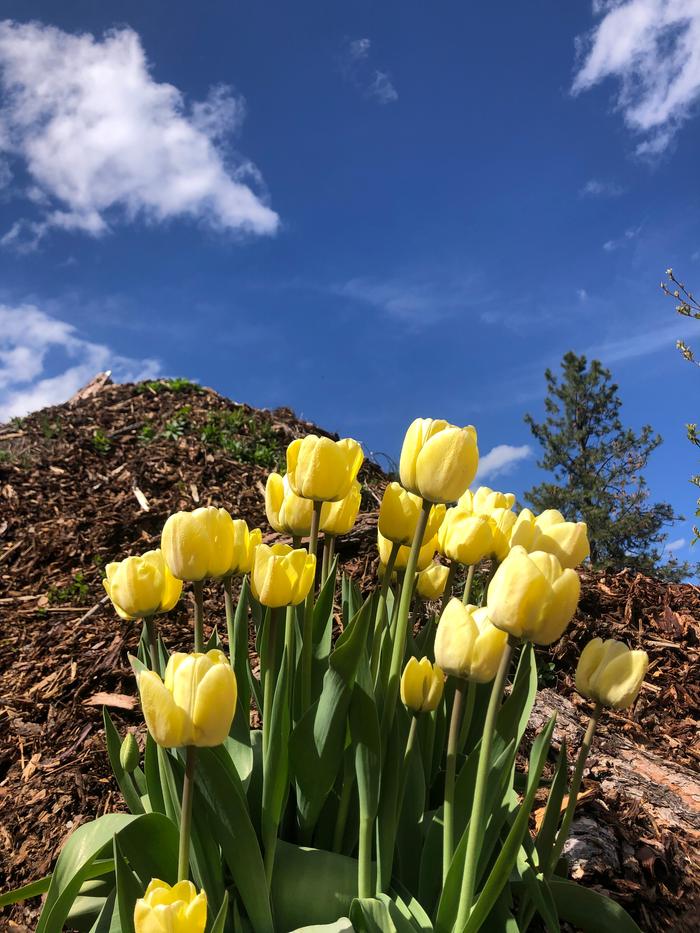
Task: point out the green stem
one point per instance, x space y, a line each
230 615
448 832
198 586
290 649
467 718
447 594
296 542
343 810
487 581
183 859
364 858
468 585
410 742
269 677
329 547
381 607
324 560
466 897
307 642
399 642
150 624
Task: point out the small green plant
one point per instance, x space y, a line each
49 429
242 436
17 423
178 384
147 434
177 426
101 441
76 590
5 455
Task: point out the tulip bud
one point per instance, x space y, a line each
531 597
244 545
425 555
141 586
282 576
337 518
438 460
399 513
176 909
287 513
321 469
196 702
129 753
465 537
568 541
421 685
485 500
502 521
467 645
609 673
198 544
523 531
431 582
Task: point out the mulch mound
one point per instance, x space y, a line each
93 480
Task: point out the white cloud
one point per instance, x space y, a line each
582 294
101 140
630 234
28 336
652 47
355 65
416 302
595 188
501 459
675 545
632 346
382 88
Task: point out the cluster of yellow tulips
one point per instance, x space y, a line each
343 764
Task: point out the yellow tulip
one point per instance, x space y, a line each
524 530
287 513
399 513
609 673
425 555
431 582
176 909
568 541
467 645
532 597
502 522
244 544
195 703
282 576
141 586
422 684
321 469
198 544
438 460
337 518
465 537
485 499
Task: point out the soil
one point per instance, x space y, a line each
94 479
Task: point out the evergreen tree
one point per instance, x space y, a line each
597 466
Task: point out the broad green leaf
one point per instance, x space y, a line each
33 889
310 886
151 770
219 923
514 715
351 598
276 762
129 890
552 813
106 921
589 910
539 892
126 785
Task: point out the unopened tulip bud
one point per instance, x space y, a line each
199 544
532 597
609 673
166 909
467 645
465 537
195 703
129 753
244 544
422 684
321 469
141 586
438 460
286 512
338 518
524 530
425 555
568 541
431 582
399 513
281 576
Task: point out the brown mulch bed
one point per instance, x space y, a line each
84 483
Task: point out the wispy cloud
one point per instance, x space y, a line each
616 349
28 336
631 233
103 142
357 67
595 188
675 545
652 48
502 459
582 294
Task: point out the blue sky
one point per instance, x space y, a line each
367 212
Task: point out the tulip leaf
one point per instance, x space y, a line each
129 890
219 923
238 651
514 715
552 813
538 890
589 910
351 599
151 770
384 914
126 784
311 886
323 630
33 889
221 787
107 920
276 761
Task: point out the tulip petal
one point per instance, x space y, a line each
165 721
214 705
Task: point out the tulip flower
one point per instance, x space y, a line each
286 512
502 522
399 512
141 586
431 582
338 518
422 684
321 469
523 531
438 460
199 544
465 537
425 555
467 644
281 576
195 703
532 597
568 541
176 909
609 673
244 544
485 499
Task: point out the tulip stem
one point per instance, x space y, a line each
307 641
381 607
364 858
448 820
467 717
447 593
399 641
198 586
468 585
487 582
150 624
476 820
183 860
410 742
269 676
228 603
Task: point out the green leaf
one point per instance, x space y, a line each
33 889
311 886
514 714
276 762
351 599
239 650
151 770
538 891
219 923
128 890
589 910
552 813
126 785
